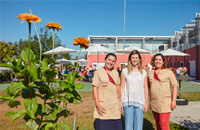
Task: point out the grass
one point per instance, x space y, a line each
83 112
191 96
190 87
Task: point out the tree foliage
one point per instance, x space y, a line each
7 49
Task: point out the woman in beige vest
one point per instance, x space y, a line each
161 100
106 91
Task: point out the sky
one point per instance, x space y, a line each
83 18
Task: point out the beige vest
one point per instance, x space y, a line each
160 94
107 92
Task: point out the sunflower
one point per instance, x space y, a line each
83 42
29 17
53 26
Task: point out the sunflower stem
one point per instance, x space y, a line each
29 40
53 42
78 57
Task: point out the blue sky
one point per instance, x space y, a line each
80 18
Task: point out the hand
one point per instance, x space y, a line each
122 109
100 110
173 105
146 107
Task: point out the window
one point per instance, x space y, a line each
161 48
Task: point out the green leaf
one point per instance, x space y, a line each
79 86
10 113
76 95
75 101
18 114
26 93
32 124
9 58
6 65
14 103
15 88
32 69
31 106
24 55
44 108
44 79
49 126
63 126
64 85
81 76
19 62
50 75
7 98
70 78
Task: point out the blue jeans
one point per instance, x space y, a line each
133 115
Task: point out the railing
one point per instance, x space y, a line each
182 47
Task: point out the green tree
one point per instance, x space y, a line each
46 39
22 44
9 49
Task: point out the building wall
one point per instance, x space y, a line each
147 59
192 52
93 58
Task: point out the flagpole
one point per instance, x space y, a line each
124 30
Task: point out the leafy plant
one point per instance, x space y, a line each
5 75
37 84
7 49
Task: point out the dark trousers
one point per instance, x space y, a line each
110 124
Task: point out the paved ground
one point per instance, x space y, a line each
187 115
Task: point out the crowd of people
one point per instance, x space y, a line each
133 92
87 72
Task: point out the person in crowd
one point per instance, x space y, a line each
161 100
119 71
134 88
65 70
106 91
84 74
89 76
90 68
81 72
147 68
59 71
94 67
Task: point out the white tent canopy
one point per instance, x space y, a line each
171 52
59 50
83 61
130 49
4 69
63 61
98 48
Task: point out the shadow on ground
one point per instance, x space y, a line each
191 125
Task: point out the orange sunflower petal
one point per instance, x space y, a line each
29 17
